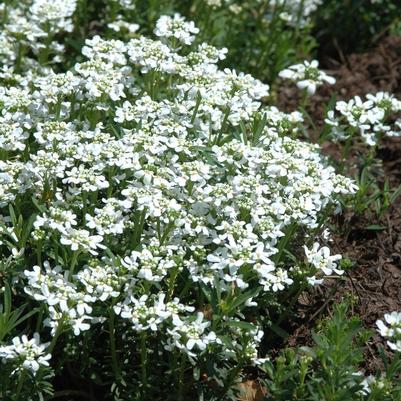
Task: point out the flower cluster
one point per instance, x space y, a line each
369 118
176 27
307 76
66 304
322 261
155 183
391 330
33 26
296 12
26 354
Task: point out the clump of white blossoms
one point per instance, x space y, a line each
121 25
307 76
390 329
369 118
53 15
320 258
176 27
28 35
26 354
155 183
295 12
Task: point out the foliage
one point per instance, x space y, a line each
330 369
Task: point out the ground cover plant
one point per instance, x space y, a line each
161 217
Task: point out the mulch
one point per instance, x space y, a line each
374 282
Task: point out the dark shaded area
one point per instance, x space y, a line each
349 26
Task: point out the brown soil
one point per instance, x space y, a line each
374 283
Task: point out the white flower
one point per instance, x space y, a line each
189 336
369 117
295 12
307 76
79 324
55 14
120 25
391 330
81 240
27 354
176 27
319 257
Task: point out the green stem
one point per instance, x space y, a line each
188 284
59 330
171 282
21 382
114 359
39 253
40 318
180 391
223 127
144 362
58 108
84 204
73 263
346 152
5 13
284 242
166 232
18 62
304 101
136 236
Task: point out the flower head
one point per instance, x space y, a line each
307 76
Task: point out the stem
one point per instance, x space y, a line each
39 253
21 381
196 108
73 263
171 282
114 359
21 51
223 127
180 392
70 393
44 53
56 336
136 236
284 242
40 318
144 361
346 152
304 101
188 284
84 204
5 13
58 108
166 232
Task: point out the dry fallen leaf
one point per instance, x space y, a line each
251 390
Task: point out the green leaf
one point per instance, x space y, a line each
7 298
375 227
279 331
241 299
12 215
241 325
